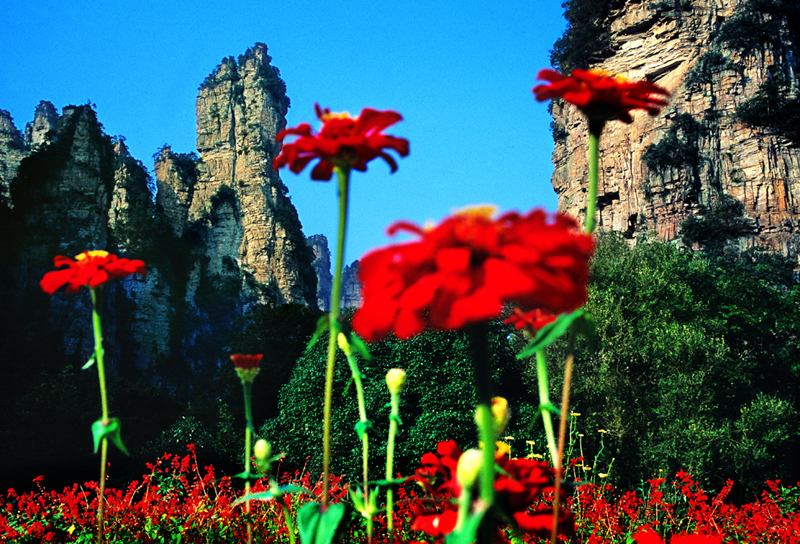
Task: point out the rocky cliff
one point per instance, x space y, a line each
351 286
730 129
221 235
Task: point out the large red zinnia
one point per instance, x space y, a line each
343 141
90 269
600 96
468 267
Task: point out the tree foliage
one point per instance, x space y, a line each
696 367
437 404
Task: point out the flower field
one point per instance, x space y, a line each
178 501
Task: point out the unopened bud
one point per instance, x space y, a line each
396 380
344 345
262 450
469 466
500 415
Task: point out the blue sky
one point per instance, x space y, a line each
460 74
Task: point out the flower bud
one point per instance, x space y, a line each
396 380
500 415
469 467
262 450
344 345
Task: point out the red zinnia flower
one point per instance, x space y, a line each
519 485
343 141
601 96
246 366
531 321
90 269
467 268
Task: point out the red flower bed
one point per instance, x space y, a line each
177 498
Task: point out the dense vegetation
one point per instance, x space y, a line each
695 368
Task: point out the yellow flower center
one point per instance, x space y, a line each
486 211
91 255
328 115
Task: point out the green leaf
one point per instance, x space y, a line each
109 430
363 427
272 493
323 324
89 363
550 333
317 527
249 476
468 533
359 345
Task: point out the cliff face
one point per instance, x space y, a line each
351 286
220 236
726 63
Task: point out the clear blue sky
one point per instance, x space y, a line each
460 73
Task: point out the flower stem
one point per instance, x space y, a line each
394 416
481 368
562 433
595 128
544 400
362 414
343 179
247 387
97 326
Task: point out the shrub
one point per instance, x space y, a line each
437 403
679 147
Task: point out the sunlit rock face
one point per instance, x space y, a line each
702 52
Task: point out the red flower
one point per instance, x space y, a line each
343 141
651 537
531 321
467 268
90 269
601 96
518 487
246 366
246 362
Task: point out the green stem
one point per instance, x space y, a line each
289 524
595 129
248 437
343 179
99 352
481 367
544 400
562 433
362 414
393 418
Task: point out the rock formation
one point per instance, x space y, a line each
351 286
220 237
726 62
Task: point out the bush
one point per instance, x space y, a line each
679 147
691 351
438 402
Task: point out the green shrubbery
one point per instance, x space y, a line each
586 39
437 404
679 147
696 366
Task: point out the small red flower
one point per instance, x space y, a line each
651 537
531 321
246 362
343 141
468 267
518 486
246 366
90 269
599 95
